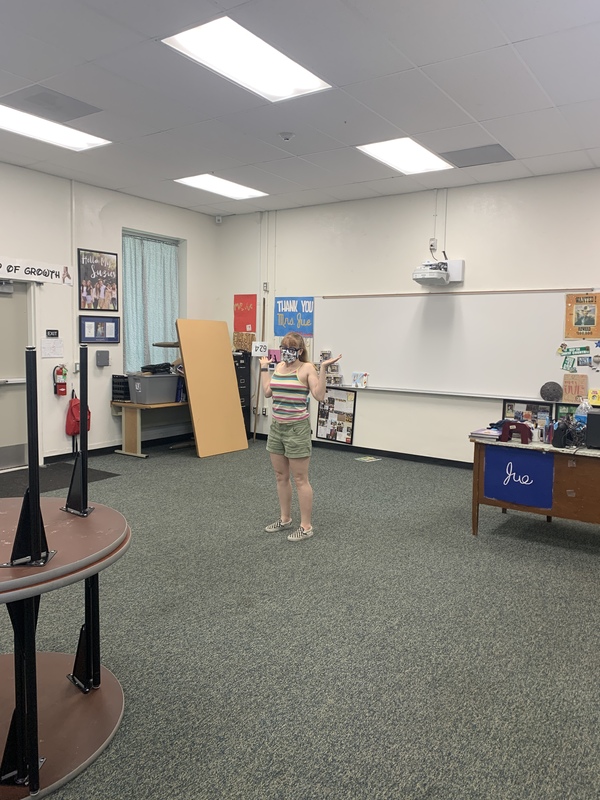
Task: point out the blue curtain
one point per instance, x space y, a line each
150 300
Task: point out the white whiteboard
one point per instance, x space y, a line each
498 345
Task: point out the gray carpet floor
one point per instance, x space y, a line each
56 476
392 656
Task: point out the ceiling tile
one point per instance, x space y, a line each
417 68
444 179
488 85
521 20
350 161
594 155
352 191
489 173
537 133
431 30
159 68
310 31
31 59
177 194
300 171
344 118
11 83
584 119
562 162
459 138
306 197
566 64
157 18
69 25
134 110
259 179
181 155
268 123
409 101
400 184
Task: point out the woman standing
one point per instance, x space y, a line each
289 441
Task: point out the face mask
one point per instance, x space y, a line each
289 354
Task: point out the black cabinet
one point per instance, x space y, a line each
242 360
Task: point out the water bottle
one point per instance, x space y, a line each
581 411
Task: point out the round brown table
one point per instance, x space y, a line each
73 726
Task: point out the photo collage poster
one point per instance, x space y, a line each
335 418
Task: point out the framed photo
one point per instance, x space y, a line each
526 412
98 281
99 330
335 417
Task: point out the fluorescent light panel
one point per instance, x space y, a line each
210 183
405 155
46 131
232 51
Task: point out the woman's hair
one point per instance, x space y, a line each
295 340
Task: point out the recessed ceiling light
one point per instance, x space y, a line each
46 131
405 155
232 51
210 183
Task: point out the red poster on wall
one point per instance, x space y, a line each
244 312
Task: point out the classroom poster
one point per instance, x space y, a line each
294 315
335 417
582 319
244 313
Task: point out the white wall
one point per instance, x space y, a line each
47 219
533 233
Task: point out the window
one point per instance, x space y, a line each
150 299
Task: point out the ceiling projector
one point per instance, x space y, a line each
439 273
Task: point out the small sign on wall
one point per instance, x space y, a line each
582 319
575 386
244 313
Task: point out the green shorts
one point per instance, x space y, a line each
290 439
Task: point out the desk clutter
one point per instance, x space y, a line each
559 424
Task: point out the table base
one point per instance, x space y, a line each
74 728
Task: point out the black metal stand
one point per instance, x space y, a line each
30 547
86 669
77 499
21 761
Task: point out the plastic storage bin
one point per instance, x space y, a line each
150 389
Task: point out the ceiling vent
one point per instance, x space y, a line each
476 156
48 104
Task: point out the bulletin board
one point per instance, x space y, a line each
499 344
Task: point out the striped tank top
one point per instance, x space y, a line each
290 397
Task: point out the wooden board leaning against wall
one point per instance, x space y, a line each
212 389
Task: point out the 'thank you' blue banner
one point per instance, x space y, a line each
294 314
515 475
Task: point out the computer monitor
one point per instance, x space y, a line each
592 431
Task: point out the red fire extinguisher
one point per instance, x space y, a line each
59 378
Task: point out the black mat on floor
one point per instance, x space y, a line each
52 477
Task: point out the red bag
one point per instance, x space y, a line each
72 426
